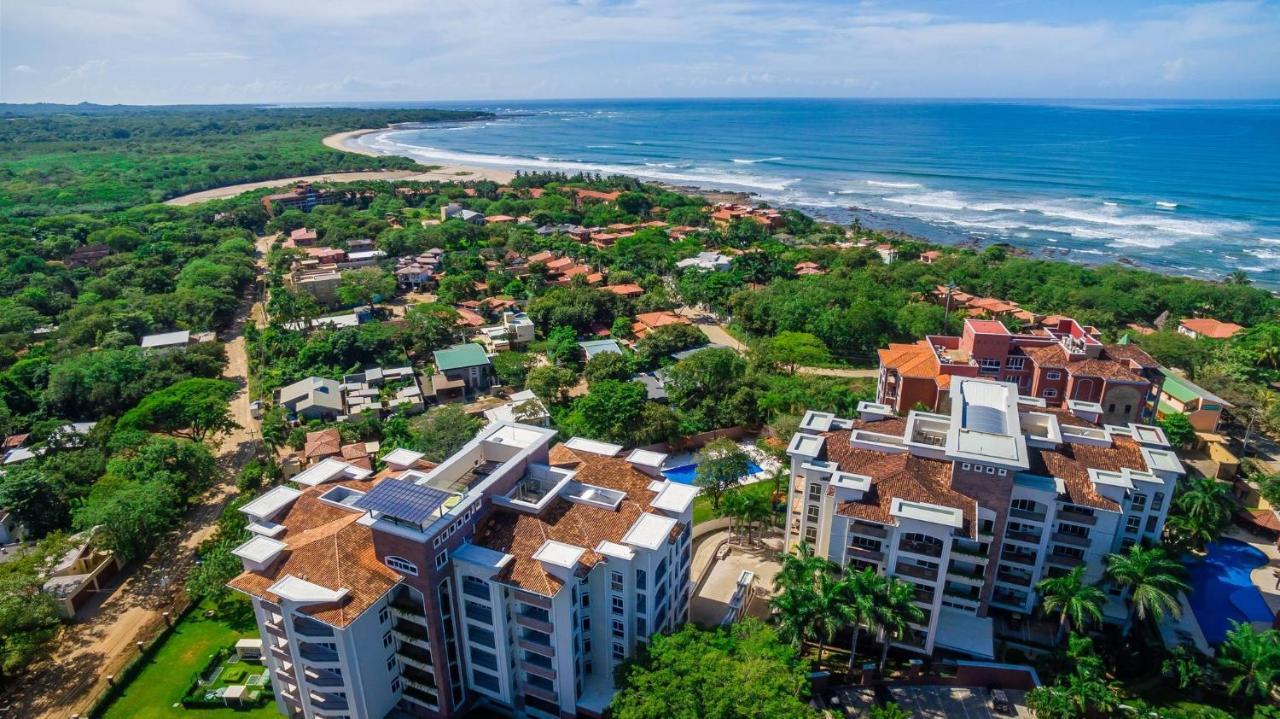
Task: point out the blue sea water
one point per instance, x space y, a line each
1183 187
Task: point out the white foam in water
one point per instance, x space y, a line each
1166 205
895 185
739 161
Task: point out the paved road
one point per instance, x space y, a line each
86 653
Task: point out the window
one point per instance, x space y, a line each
619 652
811 534
642 579
400 564
478 612
991 470
1002 472
815 491
1015 363
1131 524
989 366
1053 374
615 581
1151 523
388 640
484 680
618 604
384 615
866 543
1049 393
1139 502
395 685
964 466
811 513
480 636
442 559
1111 408
1025 505
391 663
619 629
641 627
586 600
1127 543
480 657
1157 502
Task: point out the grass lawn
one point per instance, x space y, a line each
160 685
703 512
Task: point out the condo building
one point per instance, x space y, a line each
977 505
1059 362
515 577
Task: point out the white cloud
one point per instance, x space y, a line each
309 50
23 69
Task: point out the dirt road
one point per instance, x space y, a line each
717 334
133 609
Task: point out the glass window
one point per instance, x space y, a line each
400 564
615 581
485 680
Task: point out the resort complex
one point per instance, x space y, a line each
518 574
976 505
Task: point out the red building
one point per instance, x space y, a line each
1062 361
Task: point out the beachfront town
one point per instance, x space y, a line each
543 447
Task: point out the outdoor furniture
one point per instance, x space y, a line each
1000 703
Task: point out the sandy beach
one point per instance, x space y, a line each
340 141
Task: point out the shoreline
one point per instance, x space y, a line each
343 141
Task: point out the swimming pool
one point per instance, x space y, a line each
684 473
1221 591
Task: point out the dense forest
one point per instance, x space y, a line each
56 159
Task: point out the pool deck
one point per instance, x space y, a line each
1264 577
766 463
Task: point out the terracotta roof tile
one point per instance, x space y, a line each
322 443
913 360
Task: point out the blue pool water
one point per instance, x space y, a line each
1221 591
685 472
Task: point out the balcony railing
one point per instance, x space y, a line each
1027 515
1019 558
968 594
404 603
1010 578
913 570
869 555
1074 540
1067 515
1063 561
928 549
544 649
419 677
421 697
531 668
317 654
413 630
1024 537
312 628
958 571
415 653
869 530
525 620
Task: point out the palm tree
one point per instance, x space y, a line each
1252 659
1152 578
733 505
758 509
795 598
1206 499
860 592
1075 602
831 612
895 606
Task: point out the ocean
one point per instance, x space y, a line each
1190 188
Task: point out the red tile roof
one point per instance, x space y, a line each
322 443
1212 328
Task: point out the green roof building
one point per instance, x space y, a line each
462 367
1180 395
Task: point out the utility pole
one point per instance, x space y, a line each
946 315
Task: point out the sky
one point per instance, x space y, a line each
268 51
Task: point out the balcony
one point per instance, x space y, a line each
321 678
415 654
419 678
1019 558
916 571
525 620
281 651
545 650
531 668
541 693
1024 537
1027 516
1065 562
317 654
967 594
968 576
412 630
1067 515
426 699
868 555
1074 540
869 530
327 702
1011 578
312 628
274 626
928 549
404 603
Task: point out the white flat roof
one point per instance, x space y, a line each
965 632
559 554
674 497
922 512
650 531
328 470
613 549
805 445
646 458
300 590
595 447
167 338
480 556
268 504
259 549
402 458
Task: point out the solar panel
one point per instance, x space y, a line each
985 419
403 500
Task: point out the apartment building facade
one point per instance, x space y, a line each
492 580
1059 362
976 506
